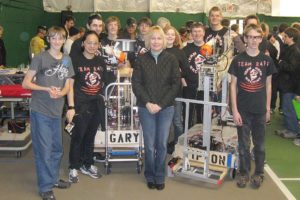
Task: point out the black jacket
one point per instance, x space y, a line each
156 82
289 69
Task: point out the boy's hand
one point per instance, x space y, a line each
70 114
237 119
268 116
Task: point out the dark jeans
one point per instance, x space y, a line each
195 109
275 90
254 125
83 136
289 114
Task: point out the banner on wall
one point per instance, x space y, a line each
230 8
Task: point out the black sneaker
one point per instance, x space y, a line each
92 171
61 184
47 195
151 185
160 186
242 181
256 180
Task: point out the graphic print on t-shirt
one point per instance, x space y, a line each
196 61
93 83
252 81
60 69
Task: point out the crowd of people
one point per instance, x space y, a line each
79 63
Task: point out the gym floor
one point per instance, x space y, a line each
282 178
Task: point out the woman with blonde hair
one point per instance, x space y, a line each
156 82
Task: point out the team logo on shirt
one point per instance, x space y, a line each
93 82
196 61
253 77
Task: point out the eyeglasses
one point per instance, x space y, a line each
251 37
92 43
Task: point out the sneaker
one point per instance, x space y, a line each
61 184
256 180
289 135
92 171
268 122
47 195
280 112
297 142
242 181
281 133
73 176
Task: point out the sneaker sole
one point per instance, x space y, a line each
89 174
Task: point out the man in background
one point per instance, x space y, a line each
37 43
2 49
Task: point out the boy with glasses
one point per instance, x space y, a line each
251 75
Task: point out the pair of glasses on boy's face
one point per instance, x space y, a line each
253 37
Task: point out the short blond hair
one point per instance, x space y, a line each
155 29
254 27
56 30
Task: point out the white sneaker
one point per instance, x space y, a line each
297 142
73 176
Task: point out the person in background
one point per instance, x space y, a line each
94 23
273 53
144 25
130 29
217 32
236 29
174 46
195 60
163 22
73 35
49 79
2 49
86 107
250 92
69 22
289 79
155 83
225 22
37 43
82 31
112 26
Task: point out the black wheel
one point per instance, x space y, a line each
19 154
139 167
107 168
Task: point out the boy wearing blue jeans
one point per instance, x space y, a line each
49 79
251 75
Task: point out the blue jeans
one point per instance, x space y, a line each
156 132
47 149
289 114
177 121
254 125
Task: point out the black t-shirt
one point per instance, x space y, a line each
90 77
210 34
195 60
251 73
